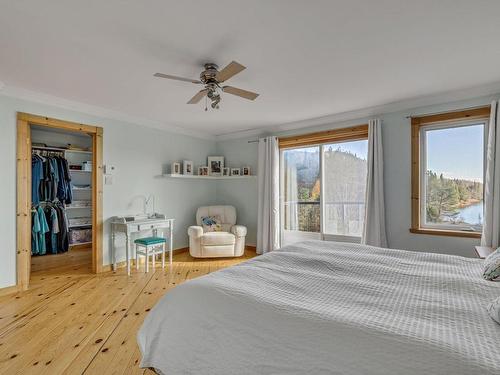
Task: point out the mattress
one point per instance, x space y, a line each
328 308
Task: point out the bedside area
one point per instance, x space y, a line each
483 251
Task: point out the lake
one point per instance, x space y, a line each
472 214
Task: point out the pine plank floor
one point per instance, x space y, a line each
71 321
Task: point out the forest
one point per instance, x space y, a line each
445 196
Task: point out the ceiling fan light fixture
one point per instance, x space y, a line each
212 78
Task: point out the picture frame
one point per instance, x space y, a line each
235 171
187 167
215 165
175 168
203 171
246 171
226 171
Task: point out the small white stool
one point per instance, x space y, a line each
150 246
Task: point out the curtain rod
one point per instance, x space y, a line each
450 111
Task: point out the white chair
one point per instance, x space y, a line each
230 242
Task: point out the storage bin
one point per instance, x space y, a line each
77 236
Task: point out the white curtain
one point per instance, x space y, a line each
268 228
491 222
291 214
374 225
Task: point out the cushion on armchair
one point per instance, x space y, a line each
211 223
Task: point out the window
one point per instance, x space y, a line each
323 184
344 187
448 152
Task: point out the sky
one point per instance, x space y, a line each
457 152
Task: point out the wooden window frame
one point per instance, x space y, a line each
417 123
328 136
23 223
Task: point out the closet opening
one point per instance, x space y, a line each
59 197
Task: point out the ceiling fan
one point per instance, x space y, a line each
213 78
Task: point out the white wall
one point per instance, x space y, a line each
397 178
241 193
139 155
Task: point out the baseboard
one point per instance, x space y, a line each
80 246
123 264
251 247
9 290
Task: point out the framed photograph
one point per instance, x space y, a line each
235 171
246 171
175 168
215 165
203 171
226 171
187 167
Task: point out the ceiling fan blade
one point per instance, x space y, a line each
239 92
161 75
230 70
199 95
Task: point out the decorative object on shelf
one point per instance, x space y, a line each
246 171
226 171
187 167
235 172
175 168
215 165
203 171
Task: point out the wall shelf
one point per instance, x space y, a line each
186 176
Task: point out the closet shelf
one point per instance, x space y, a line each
187 176
78 171
48 148
80 225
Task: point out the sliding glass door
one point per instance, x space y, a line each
301 194
323 191
344 188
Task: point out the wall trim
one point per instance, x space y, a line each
411 104
93 110
9 290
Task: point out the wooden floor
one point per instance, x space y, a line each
71 321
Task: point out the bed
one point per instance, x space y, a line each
328 308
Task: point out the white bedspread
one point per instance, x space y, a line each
328 308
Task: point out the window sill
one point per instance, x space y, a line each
440 232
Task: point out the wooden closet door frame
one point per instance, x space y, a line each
23 220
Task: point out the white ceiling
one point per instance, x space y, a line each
306 58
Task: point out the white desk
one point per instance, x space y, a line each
130 225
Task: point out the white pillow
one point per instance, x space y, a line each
491 270
494 310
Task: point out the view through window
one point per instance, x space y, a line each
345 167
453 181
344 184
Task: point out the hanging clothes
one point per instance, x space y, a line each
39 228
51 237
36 178
64 193
63 237
51 189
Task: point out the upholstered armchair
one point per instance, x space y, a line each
227 241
